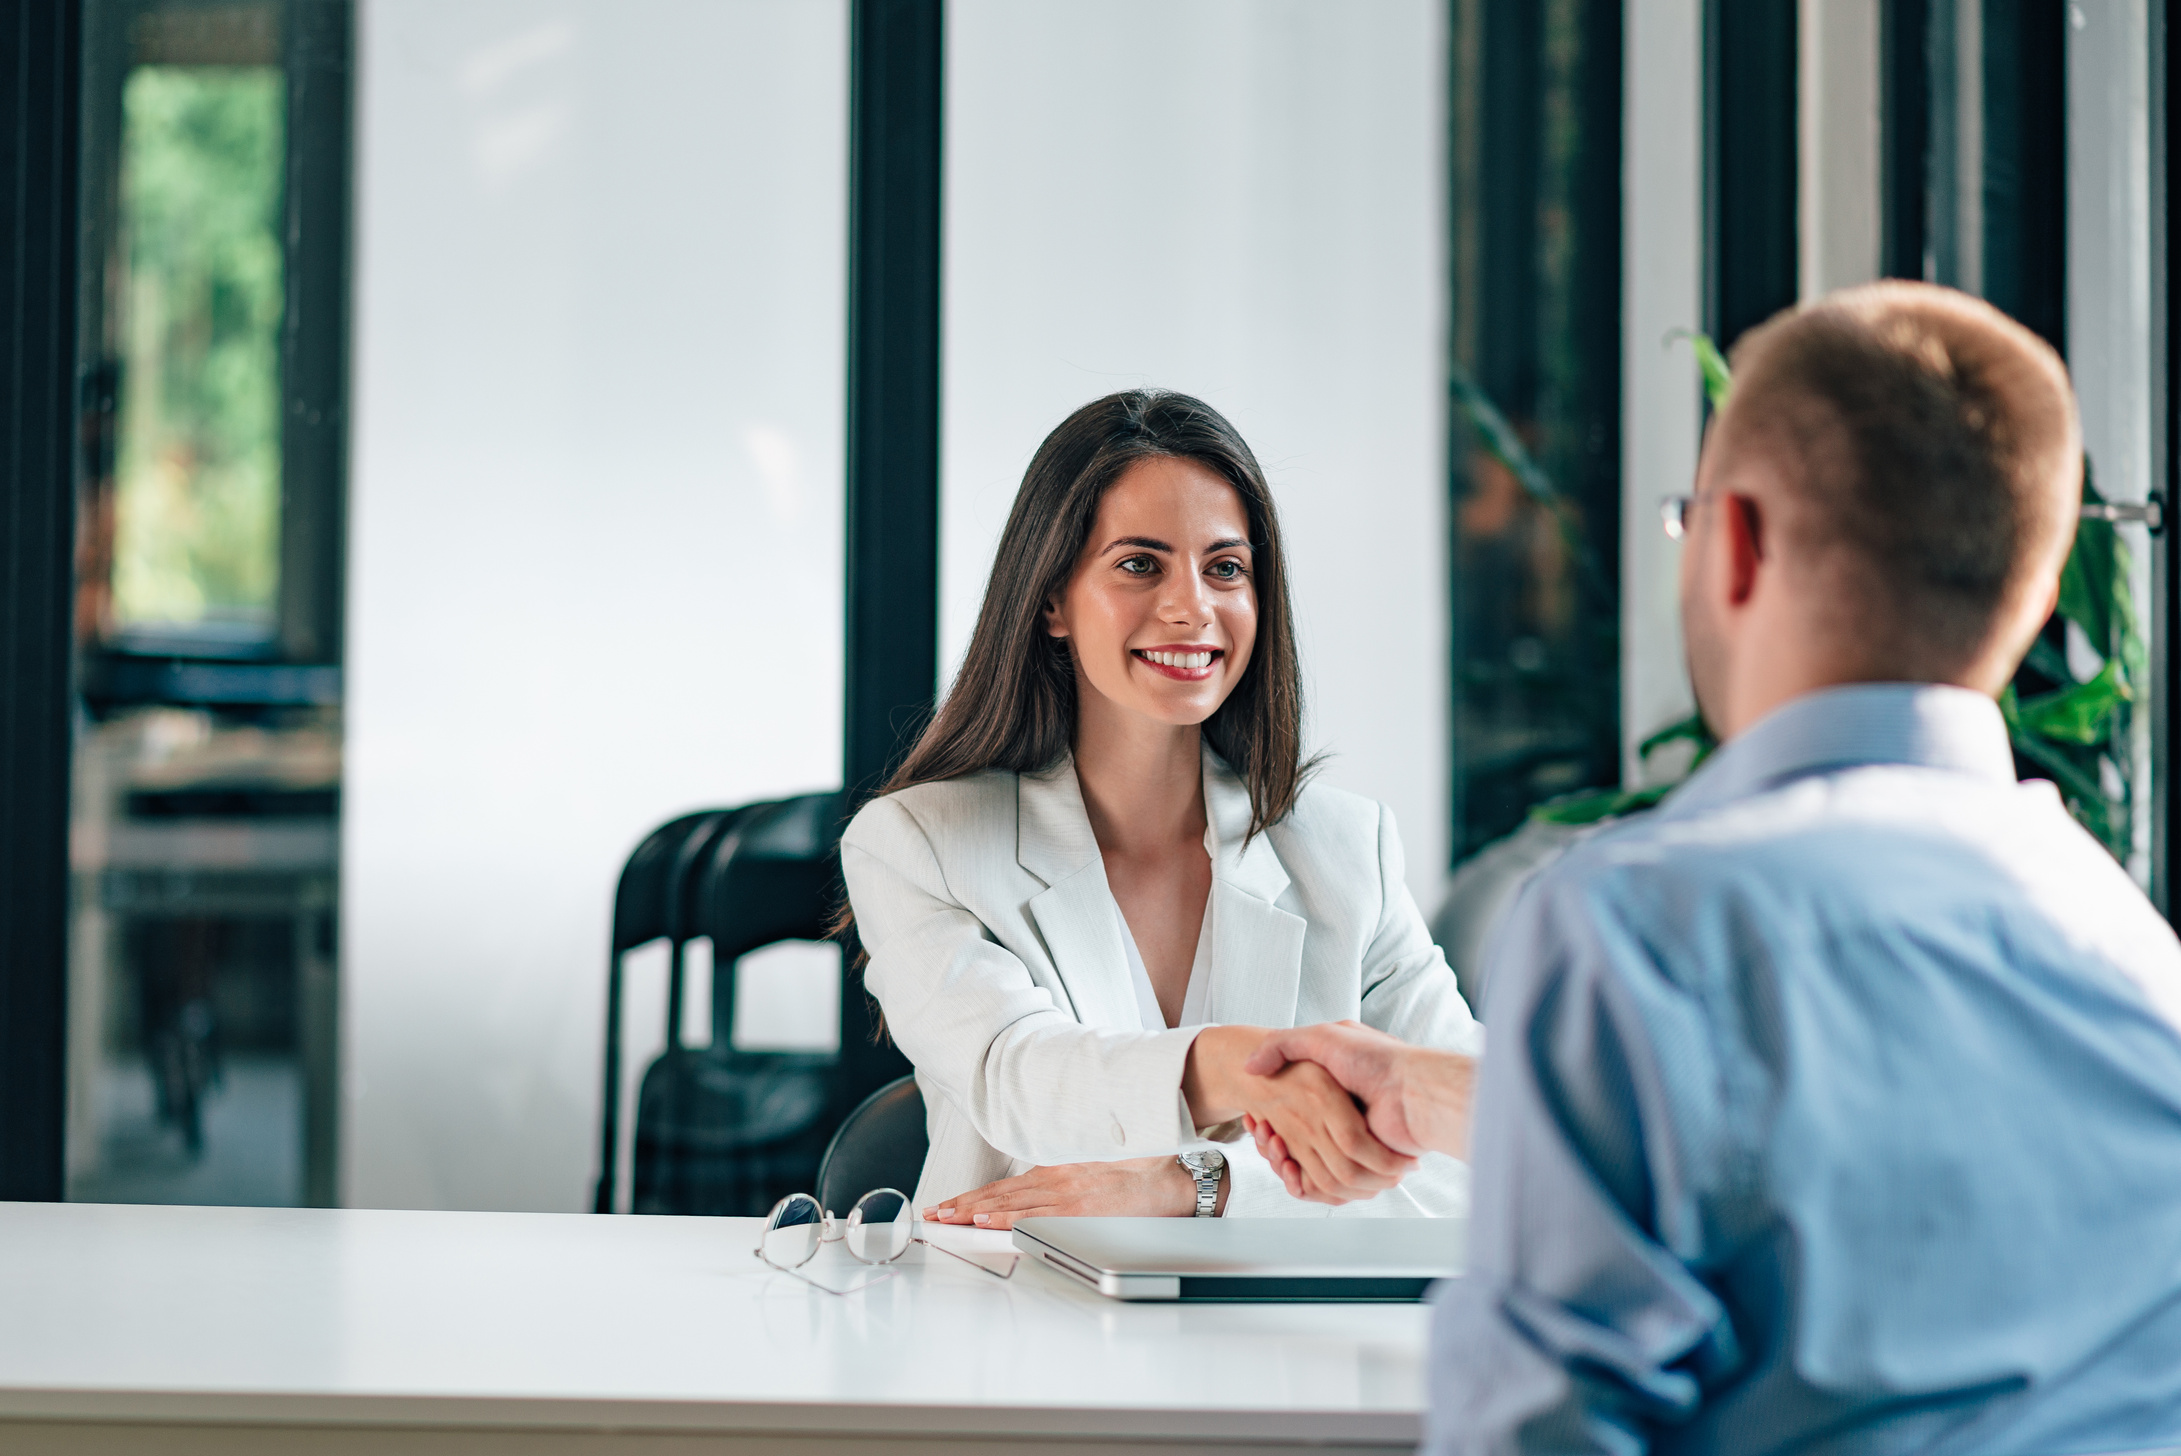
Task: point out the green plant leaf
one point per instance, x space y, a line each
2075 732
2091 574
1691 729
1592 805
2082 715
1500 438
1598 805
1504 444
1718 378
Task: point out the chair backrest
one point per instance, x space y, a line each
721 1130
649 902
881 1145
774 876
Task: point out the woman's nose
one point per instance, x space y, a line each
1186 599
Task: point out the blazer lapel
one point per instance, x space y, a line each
1257 948
1074 914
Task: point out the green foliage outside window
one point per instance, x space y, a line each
197 508
2079 731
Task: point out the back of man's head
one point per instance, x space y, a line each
1929 459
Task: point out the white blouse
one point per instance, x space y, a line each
1195 1002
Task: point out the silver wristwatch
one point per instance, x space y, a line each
1207 1166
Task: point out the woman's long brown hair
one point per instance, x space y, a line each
1013 703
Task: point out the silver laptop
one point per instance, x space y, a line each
1267 1260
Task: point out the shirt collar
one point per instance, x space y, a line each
1924 724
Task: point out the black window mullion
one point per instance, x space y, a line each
891 567
1751 164
2165 435
1905 116
40 70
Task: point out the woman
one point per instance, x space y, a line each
1101 874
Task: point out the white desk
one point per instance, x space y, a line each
185 1330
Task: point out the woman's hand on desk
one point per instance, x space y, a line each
1132 1188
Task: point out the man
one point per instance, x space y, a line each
1835 1105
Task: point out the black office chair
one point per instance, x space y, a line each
650 903
881 1145
723 1131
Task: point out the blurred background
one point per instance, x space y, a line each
505 427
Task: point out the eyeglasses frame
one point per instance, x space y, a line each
836 1230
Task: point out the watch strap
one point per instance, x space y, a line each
1206 1175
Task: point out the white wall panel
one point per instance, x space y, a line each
1837 134
1243 200
595 549
1662 403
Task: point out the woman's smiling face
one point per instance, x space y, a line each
1161 609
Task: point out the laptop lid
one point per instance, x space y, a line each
1283 1260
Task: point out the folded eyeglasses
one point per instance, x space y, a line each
877 1232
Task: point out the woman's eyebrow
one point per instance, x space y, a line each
1153 543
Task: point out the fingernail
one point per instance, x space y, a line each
984 1218
946 1213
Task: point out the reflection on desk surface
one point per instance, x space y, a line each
667 1322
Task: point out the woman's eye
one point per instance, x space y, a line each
1138 565
1228 570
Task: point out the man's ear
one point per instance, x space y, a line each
1743 522
2051 602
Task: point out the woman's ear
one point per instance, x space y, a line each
1054 625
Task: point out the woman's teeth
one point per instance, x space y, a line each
1178 659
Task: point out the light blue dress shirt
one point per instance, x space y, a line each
1833 1106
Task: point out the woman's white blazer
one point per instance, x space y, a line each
995 952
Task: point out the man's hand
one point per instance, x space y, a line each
1130 1188
1324 1134
1416 1099
1322 1130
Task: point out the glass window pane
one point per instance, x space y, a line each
1536 388
197 509
206 773
595 532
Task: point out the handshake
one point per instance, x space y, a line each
1340 1111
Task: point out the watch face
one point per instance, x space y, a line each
1204 1160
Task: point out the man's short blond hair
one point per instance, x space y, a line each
1931 444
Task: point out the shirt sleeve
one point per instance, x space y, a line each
1579 1325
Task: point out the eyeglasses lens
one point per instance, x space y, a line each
879 1226
791 1233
